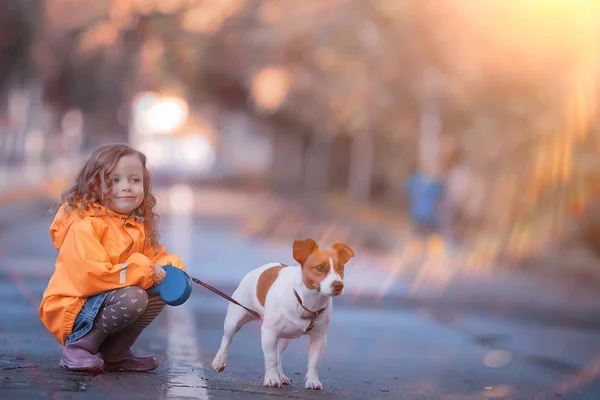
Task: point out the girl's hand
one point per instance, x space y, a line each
159 274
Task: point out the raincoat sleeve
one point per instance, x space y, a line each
162 257
85 262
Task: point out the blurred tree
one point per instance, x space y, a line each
16 20
350 86
369 71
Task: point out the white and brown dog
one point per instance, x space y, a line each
293 301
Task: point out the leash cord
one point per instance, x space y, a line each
225 296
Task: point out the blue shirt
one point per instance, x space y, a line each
424 193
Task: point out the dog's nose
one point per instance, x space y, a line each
337 286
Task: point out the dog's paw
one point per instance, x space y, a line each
272 380
313 382
219 363
284 379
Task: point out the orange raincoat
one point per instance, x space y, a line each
97 252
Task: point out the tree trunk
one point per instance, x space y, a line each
361 168
429 139
317 164
287 161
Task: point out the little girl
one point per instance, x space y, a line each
96 304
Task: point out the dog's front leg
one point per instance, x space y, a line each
269 346
281 346
315 351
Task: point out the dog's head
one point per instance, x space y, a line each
322 269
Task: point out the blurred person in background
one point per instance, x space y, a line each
456 182
463 202
425 192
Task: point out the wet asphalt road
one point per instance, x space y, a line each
373 352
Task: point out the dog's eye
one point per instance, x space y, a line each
321 268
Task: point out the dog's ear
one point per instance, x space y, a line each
303 249
344 252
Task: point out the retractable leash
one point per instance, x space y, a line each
176 288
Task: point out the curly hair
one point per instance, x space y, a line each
92 185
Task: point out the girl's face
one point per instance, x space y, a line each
127 185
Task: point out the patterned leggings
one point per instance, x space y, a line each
128 307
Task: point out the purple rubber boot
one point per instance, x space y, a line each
117 355
82 354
